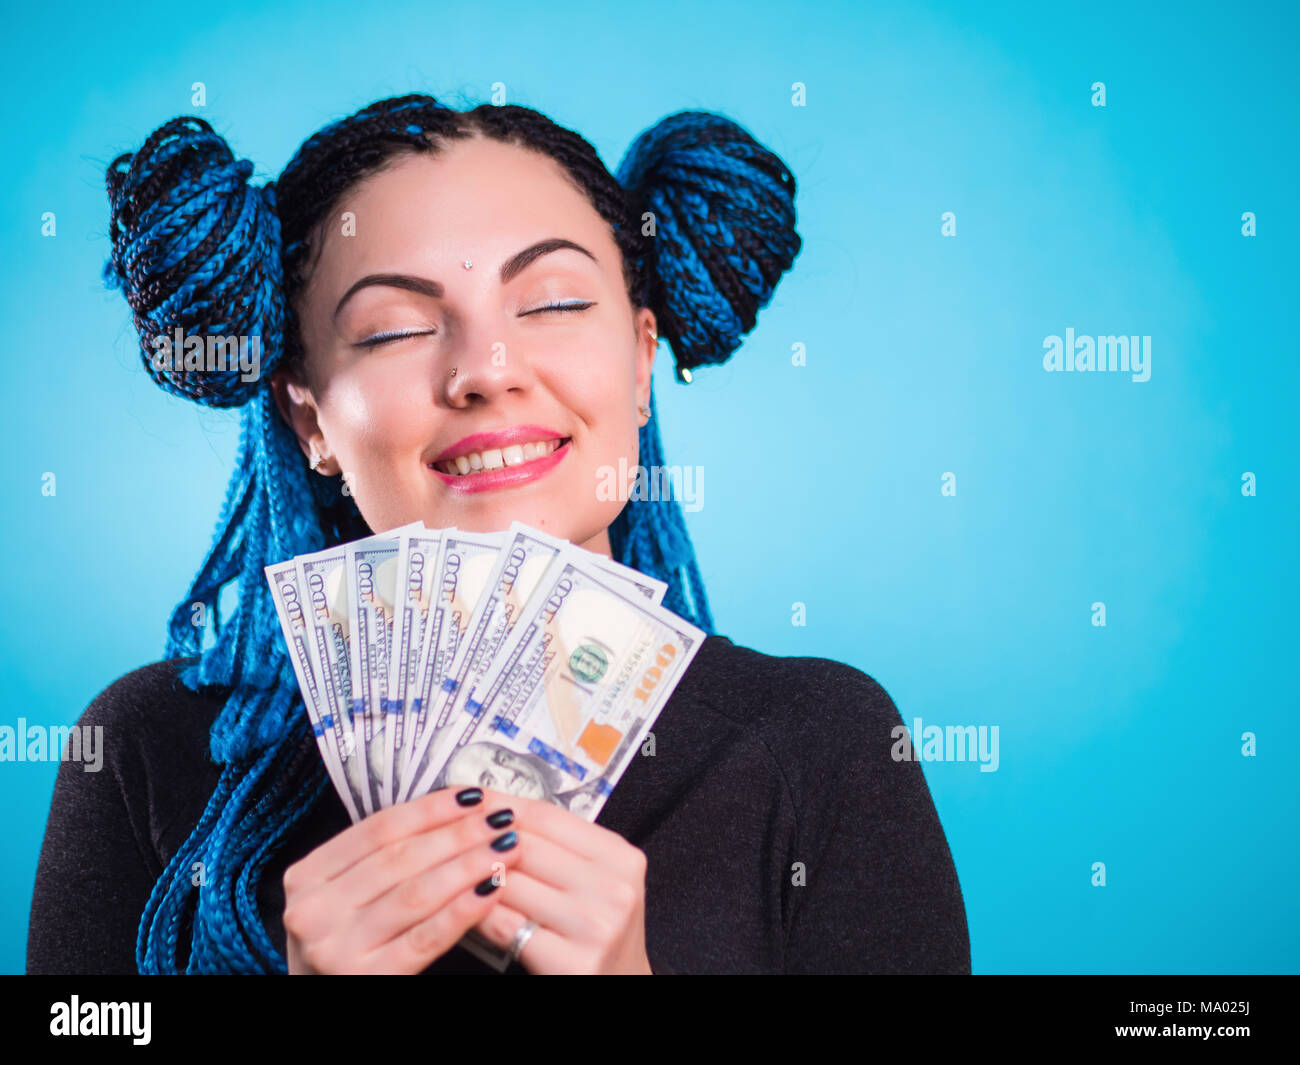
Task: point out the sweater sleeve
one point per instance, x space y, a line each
880 892
97 867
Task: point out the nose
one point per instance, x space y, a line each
483 368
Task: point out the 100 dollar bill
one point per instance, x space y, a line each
417 561
289 606
583 677
463 569
324 590
520 566
371 566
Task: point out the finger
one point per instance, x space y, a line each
568 913
562 826
315 912
404 858
423 918
432 937
545 952
559 867
384 827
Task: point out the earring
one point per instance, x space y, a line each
316 460
645 411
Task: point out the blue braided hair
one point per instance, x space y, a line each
704 218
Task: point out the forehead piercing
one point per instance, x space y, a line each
468 264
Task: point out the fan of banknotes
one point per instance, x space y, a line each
510 660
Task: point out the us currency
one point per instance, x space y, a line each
519 569
498 775
321 579
585 674
464 564
522 589
417 561
292 612
650 587
371 566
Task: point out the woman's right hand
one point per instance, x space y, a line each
397 889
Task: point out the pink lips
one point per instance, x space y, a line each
507 476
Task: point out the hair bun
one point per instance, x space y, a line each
196 251
724 229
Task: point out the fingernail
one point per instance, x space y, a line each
486 887
469 796
501 818
504 843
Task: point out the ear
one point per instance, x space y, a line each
297 407
646 347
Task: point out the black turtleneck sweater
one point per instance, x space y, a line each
780 834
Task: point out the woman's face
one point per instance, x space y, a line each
390 311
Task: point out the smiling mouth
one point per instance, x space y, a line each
498 458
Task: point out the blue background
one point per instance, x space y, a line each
1119 744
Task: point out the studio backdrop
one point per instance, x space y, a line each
1016 435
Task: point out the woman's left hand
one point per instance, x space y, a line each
582 884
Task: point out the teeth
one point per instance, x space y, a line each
497 458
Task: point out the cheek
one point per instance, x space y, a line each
376 427
606 401
369 420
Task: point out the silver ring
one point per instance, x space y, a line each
524 934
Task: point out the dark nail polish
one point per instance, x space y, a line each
469 796
501 818
504 843
486 887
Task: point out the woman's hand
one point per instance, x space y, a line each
582 884
399 888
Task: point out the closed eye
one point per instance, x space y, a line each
386 338
401 334
560 308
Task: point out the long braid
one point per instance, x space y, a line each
195 248
650 536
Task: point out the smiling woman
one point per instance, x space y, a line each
459 313
435 386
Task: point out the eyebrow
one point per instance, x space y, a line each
510 269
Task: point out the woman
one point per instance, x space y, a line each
419 276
